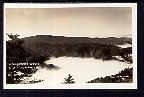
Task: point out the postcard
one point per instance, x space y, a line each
70 46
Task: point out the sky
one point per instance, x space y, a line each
73 22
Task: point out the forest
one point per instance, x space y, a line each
19 51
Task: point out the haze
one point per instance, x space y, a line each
74 22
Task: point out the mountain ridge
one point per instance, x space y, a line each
71 40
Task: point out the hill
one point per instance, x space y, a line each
71 40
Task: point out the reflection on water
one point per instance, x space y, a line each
82 70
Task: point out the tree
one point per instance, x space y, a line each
69 80
12 37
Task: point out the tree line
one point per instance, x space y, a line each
19 52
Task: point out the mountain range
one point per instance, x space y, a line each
72 40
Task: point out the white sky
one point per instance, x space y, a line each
75 22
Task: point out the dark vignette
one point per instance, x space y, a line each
80 93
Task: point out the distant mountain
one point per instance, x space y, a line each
127 35
71 40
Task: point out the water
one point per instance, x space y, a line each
125 45
82 70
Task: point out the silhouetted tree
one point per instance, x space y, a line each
16 52
69 80
12 37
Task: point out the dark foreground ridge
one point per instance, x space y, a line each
124 76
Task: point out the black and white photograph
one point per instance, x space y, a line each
70 46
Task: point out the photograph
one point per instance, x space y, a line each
70 46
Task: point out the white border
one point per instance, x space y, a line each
87 86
